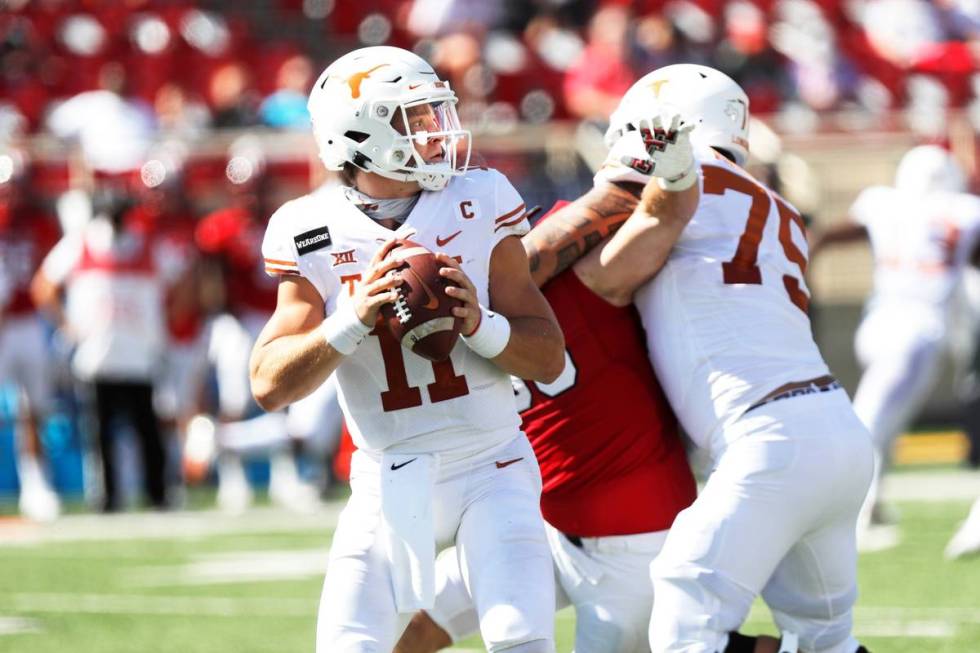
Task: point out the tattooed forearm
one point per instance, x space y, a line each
566 236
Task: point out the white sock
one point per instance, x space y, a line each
30 472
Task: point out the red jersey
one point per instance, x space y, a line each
236 238
25 239
606 439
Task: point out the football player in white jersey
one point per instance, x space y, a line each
923 232
440 456
728 333
729 336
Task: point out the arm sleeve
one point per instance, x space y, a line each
510 212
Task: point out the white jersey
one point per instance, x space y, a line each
726 318
392 398
921 244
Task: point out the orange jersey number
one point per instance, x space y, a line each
743 267
399 395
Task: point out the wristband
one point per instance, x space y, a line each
682 182
491 335
343 330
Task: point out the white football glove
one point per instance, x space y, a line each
667 140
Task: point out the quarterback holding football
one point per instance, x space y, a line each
441 459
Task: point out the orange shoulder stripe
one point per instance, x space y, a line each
510 214
517 220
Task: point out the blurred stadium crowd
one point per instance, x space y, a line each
204 65
136 118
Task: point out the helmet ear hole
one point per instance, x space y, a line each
356 136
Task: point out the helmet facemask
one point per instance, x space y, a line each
428 143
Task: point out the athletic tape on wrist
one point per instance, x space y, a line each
343 330
683 182
491 336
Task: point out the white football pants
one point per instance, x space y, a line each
606 580
777 517
490 513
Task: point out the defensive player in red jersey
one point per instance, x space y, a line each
614 469
27 232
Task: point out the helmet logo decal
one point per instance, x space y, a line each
354 81
656 86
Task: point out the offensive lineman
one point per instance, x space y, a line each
728 333
440 456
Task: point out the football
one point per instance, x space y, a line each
422 319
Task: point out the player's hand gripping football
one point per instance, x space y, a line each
378 285
667 140
466 293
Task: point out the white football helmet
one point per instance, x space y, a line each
359 100
929 168
719 106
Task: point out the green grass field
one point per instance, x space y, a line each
202 582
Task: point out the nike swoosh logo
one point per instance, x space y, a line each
400 465
501 465
442 242
433 302
412 87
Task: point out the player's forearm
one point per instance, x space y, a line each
639 250
290 367
570 233
840 233
535 351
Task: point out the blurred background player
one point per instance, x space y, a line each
27 232
230 240
923 232
114 314
163 214
614 469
